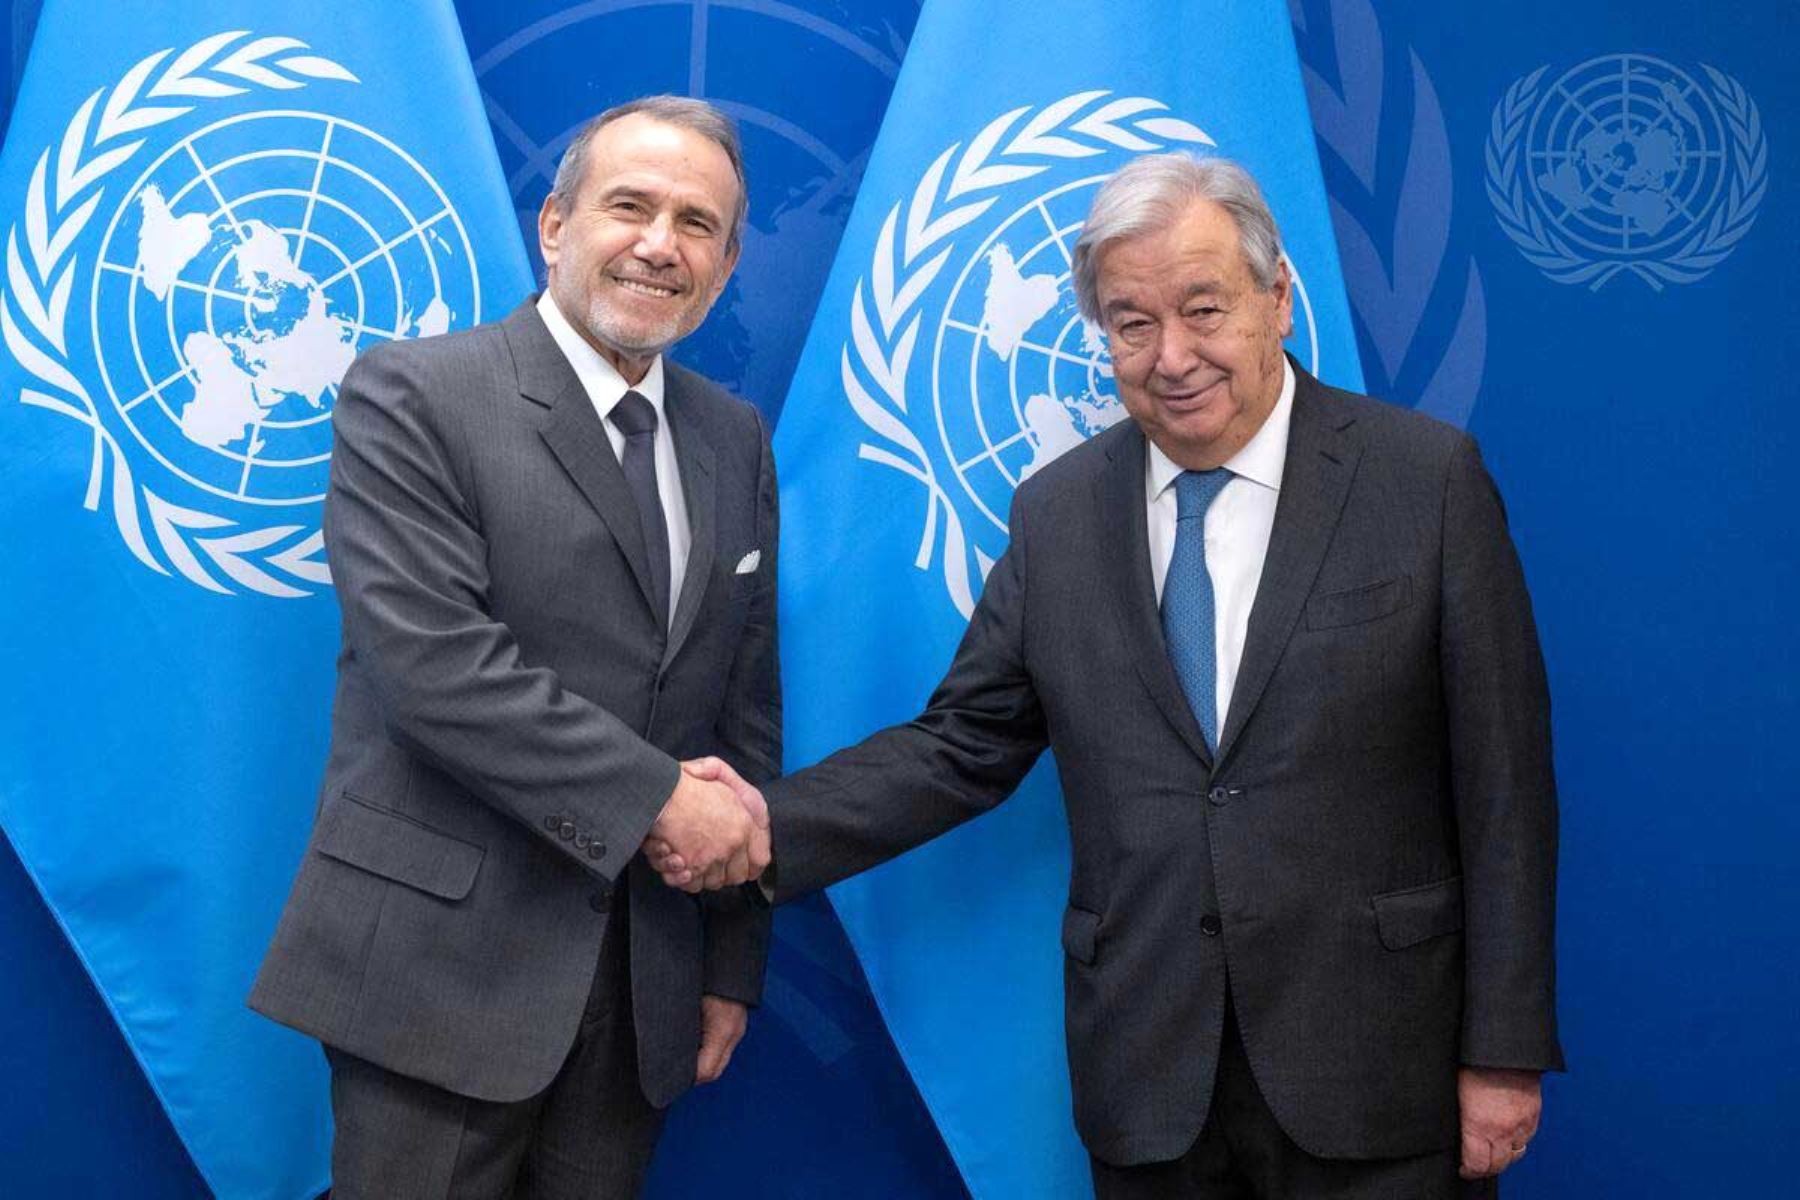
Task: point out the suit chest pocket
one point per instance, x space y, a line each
1359 605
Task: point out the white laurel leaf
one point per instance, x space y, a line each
870 352
72 225
954 220
68 153
992 177
228 554
1100 123
975 157
903 350
114 116
37 399
260 75
918 234
881 274
298 560
880 419
198 86
315 67
167 519
1032 138
24 294
190 60
125 514
259 49
915 285
97 167
140 118
59 307
37 218
35 360
1175 130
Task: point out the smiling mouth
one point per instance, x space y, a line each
642 287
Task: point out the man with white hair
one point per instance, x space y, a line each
1280 642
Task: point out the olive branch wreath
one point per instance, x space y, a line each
1545 249
60 201
908 259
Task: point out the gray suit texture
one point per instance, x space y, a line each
510 714
1366 867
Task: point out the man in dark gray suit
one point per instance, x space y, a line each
1279 640
555 554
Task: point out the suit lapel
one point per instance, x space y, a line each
698 485
1315 482
575 435
1127 564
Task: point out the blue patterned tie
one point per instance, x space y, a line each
1187 600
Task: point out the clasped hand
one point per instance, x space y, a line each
713 832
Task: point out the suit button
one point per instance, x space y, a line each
582 840
566 830
597 850
600 901
1210 926
1218 795
551 822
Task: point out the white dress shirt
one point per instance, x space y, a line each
605 387
1237 530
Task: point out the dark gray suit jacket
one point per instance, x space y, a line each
1376 840
510 713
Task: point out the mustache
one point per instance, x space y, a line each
672 278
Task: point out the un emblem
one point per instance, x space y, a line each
234 281
1013 376
1626 164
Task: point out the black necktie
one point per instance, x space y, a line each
636 419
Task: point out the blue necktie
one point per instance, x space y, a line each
636 419
1187 601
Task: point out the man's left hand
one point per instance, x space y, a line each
722 1024
1500 1112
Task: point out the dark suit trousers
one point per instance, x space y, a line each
1242 1154
588 1136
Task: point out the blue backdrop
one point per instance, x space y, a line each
1593 308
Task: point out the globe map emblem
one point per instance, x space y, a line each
1018 377
244 270
1626 154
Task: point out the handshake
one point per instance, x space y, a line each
714 831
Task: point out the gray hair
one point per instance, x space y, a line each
684 111
1151 193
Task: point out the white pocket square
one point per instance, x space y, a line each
749 563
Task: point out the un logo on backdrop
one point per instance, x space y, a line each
236 278
1008 371
1626 164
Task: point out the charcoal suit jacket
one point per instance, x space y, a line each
1366 865
510 713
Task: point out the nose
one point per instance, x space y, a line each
656 242
1175 354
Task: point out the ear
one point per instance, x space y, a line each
550 225
1284 298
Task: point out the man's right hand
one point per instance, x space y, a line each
679 869
709 835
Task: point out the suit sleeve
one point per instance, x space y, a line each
410 564
980 733
748 736
1502 780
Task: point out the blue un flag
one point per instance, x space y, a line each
204 223
946 364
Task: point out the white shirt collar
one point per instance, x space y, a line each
599 378
1261 460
